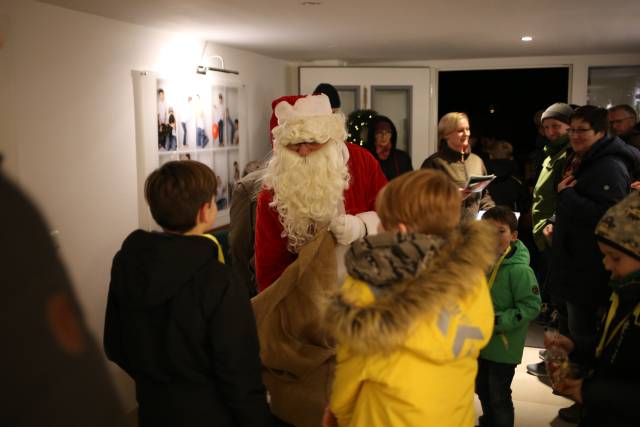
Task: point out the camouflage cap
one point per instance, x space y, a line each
620 226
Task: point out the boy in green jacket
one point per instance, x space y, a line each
516 302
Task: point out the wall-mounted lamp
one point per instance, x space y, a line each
202 69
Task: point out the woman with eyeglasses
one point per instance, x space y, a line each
597 175
454 157
381 142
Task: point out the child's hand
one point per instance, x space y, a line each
572 389
547 232
329 420
569 181
561 341
635 185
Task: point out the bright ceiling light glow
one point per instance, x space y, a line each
526 38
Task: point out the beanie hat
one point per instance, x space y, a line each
620 226
559 111
298 119
330 91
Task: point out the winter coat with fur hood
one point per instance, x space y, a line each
410 321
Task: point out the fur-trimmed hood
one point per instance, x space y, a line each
451 273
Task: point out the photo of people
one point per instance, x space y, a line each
201 136
188 135
218 116
199 121
171 140
167 117
236 134
232 115
164 128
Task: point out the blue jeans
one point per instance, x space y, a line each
221 132
201 138
184 133
171 143
493 386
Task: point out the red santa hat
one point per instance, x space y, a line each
305 118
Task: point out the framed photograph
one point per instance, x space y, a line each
192 118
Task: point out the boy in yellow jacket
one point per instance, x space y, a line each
414 311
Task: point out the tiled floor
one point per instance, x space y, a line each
535 405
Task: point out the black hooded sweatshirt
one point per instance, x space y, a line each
398 162
180 327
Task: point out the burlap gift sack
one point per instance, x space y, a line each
298 357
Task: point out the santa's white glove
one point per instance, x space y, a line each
347 229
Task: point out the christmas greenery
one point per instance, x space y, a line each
358 125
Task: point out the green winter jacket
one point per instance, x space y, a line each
516 302
545 192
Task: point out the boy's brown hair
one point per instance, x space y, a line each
176 191
502 215
426 201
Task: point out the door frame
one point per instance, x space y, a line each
419 149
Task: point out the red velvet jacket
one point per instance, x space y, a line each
271 254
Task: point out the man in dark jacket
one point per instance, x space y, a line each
242 228
381 142
598 175
176 322
623 121
507 189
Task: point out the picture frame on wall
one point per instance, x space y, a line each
190 118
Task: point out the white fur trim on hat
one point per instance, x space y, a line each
310 119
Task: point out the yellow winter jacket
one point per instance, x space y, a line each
407 354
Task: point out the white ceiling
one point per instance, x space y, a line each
358 30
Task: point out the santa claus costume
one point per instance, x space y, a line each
318 197
330 188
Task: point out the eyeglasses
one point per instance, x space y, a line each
616 122
578 131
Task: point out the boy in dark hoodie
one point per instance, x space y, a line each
516 302
175 321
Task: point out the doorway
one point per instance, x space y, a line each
402 94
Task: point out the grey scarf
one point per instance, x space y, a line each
387 258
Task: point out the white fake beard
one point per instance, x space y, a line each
308 191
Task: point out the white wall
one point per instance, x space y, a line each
67 91
273 83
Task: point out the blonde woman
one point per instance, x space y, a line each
455 159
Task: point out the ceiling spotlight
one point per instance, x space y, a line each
526 38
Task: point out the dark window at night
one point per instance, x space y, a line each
502 103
